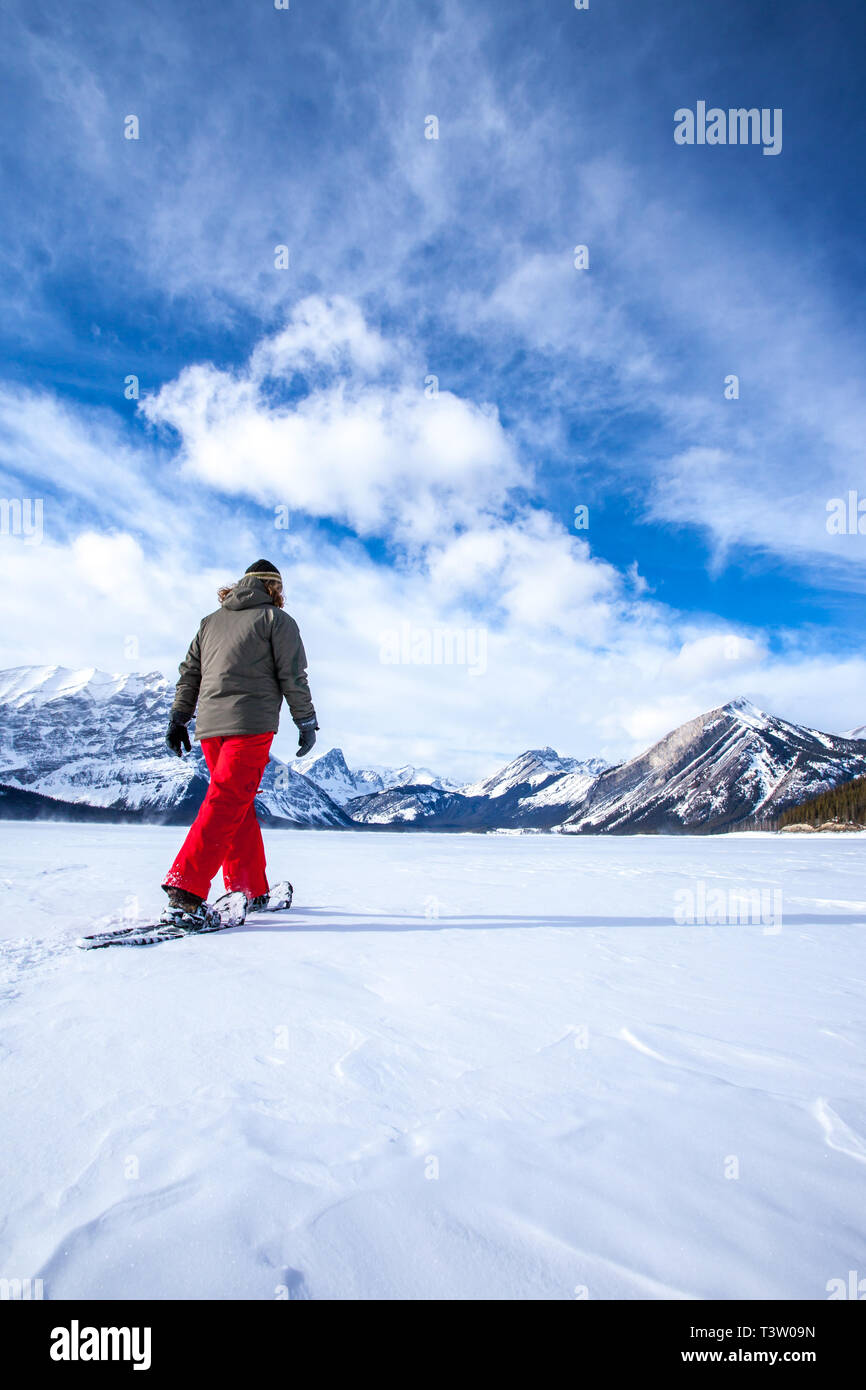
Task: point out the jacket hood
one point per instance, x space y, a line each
248 593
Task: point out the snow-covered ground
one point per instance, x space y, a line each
460 1067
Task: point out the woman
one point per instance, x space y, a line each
243 660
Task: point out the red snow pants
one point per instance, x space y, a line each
225 831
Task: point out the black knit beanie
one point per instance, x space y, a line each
263 568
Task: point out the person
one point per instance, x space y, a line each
245 658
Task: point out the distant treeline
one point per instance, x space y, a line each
844 803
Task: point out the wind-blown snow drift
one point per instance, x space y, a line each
462 1067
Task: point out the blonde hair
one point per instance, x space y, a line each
274 588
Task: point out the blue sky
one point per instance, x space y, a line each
707 569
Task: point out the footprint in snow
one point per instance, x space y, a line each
293 1286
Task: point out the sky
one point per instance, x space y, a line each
328 309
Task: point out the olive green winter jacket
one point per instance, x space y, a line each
244 658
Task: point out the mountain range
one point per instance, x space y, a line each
88 745
332 774
535 791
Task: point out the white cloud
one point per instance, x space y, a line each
716 654
377 454
323 333
533 572
576 653
640 671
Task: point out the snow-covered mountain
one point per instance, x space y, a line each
535 769
331 772
534 791
732 765
722 769
90 744
424 806
409 776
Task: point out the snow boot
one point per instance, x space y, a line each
180 897
187 911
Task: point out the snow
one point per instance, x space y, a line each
535 768
408 776
460 1067
330 771
749 714
34 686
568 790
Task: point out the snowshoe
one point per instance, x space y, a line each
277 899
228 911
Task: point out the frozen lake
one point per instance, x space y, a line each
461 1067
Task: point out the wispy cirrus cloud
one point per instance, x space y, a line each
304 388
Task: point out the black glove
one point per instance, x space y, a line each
306 736
178 737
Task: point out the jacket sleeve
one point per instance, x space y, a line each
290 661
187 688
